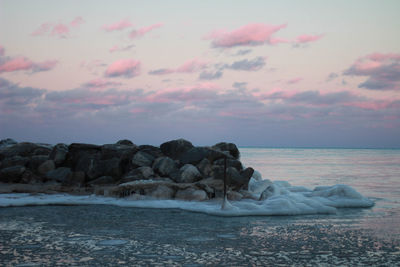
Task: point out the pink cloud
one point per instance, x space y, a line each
116 48
77 22
142 31
306 38
127 68
43 29
118 26
382 71
189 66
60 30
295 80
16 64
248 35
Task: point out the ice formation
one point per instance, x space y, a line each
275 198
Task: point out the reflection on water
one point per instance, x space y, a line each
99 235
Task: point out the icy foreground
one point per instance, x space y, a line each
277 198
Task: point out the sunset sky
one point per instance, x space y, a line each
257 73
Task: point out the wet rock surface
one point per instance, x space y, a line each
91 165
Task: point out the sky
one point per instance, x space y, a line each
257 73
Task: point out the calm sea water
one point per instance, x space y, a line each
104 235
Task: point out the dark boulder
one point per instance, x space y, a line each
175 148
118 151
165 166
189 174
142 173
230 147
205 168
46 166
62 174
230 163
59 153
14 161
24 149
197 154
103 180
246 175
234 178
36 161
141 159
151 150
7 142
125 142
12 174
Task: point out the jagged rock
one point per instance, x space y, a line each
125 142
102 180
205 168
163 192
246 175
59 153
7 142
14 161
11 174
197 154
230 163
165 166
189 174
151 150
232 148
191 194
141 159
142 173
175 148
61 174
46 166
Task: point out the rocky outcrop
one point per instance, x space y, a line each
176 169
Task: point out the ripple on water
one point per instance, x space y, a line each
112 242
199 239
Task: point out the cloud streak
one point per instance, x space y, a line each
117 26
144 30
126 68
60 30
382 71
248 35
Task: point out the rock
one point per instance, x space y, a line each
162 192
197 154
43 150
205 168
29 177
102 180
118 151
142 173
233 195
230 163
234 179
246 175
191 194
83 157
165 166
59 153
24 149
108 167
61 174
189 174
141 159
11 174
7 142
14 161
46 166
77 179
151 150
125 142
175 148
232 148
36 161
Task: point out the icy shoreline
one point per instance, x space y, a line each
286 200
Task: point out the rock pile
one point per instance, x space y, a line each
176 169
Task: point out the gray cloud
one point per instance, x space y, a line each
246 64
205 75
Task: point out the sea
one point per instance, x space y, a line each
95 232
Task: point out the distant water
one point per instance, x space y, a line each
108 235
